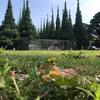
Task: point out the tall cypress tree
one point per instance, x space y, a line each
57 25
78 28
27 29
65 25
44 30
70 20
44 26
24 10
21 17
19 21
52 28
41 30
9 21
8 29
70 29
47 30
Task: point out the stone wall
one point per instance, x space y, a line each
47 44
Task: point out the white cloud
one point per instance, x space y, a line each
89 9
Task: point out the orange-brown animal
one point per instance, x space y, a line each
55 71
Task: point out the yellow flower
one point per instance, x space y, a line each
54 73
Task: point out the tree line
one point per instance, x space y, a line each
19 35
65 30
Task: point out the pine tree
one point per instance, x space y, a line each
26 29
78 28
8 34
57 25
65 25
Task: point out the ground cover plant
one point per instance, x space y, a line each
19 79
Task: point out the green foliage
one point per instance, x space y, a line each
8 38
42 34
52 34
94 28
71 34
4 75
9 21
95 88
65 22
47 29
62 32
58 25
66 27
26 29
8 31
79 29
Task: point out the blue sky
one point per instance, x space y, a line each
40 9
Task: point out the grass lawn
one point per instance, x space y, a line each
88 62
13 86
